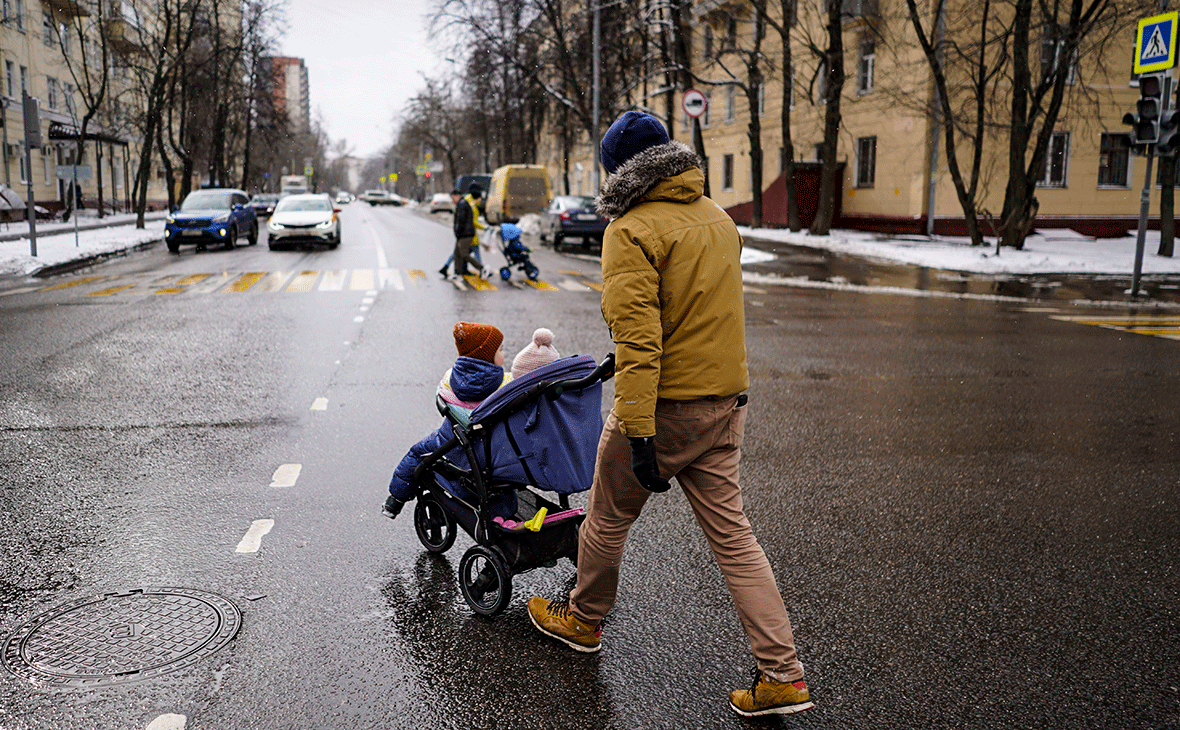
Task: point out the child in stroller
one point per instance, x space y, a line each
537 434
515 253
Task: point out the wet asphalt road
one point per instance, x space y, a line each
971 507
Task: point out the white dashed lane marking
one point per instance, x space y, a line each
252 540
286 475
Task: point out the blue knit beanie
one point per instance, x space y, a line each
631 134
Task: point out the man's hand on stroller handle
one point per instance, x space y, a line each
645 466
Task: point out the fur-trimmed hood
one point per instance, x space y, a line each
636 177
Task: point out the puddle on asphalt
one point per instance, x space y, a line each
819 265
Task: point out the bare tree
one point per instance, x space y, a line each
831 76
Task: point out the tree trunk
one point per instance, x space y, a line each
788 161
826 214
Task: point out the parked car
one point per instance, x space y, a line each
264 203
304 218
572 216
379 197
517 190
440 202
221 215
482 179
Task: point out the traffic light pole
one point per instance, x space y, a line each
1144 209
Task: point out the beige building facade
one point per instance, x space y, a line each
889 134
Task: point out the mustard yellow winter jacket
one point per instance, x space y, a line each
672 287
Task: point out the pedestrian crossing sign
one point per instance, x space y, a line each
1155 43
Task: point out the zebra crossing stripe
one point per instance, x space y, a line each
415 275
245 281
211 283
76 282
332 281
110 290
303 281
274 281
571 285
192 279
541 285
391 277
479 284
362 280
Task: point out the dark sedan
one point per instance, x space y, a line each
572 216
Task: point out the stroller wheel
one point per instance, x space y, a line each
434 525
532 272
484 580
505 273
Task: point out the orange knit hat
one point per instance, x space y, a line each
481 341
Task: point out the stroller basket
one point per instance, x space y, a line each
539 433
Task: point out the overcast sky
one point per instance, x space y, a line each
365 60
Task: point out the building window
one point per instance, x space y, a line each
866 162
731 33
52 93
50 168
821 84
730 102
1056 162
48 29
817 151
6 9
24 169
10 78
707 46
68 95
727 172
18 14
24 80
63 32
761 99
1114 161
864 73
707 117
1052 51
791 76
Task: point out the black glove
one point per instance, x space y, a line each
643 463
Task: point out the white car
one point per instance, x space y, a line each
441 201
304 218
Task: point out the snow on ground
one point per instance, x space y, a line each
1045 252
57 243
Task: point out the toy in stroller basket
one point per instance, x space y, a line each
538 433
515 253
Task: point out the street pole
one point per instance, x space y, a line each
594 180
932 194
31 109
1144 208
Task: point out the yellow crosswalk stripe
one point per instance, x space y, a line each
245 281
192 279
479 284
541 285
415 275
274 281
76 282
303 281
110 290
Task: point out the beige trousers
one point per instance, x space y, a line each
698 442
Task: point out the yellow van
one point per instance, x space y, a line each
517 190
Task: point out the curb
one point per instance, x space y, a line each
75 264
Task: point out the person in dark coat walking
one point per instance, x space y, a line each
467 227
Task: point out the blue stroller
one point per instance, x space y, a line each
537 434
515 253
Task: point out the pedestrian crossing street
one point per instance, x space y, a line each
303 282
1155 325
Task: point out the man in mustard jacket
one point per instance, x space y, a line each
672 297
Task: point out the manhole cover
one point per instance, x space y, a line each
120 637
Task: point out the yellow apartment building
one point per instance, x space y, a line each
889 135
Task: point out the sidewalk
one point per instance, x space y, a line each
57 244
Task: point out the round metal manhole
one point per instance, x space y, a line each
120 637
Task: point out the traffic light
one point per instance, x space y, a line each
1169 139
1147 109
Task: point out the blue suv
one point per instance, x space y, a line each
220 215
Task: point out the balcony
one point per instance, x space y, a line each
68 8
705 8
124 36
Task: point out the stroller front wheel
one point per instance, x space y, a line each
484 580
532 272
505 273
434 525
